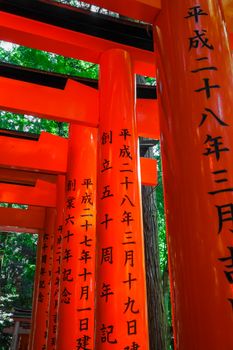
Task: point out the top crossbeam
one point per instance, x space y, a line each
76 33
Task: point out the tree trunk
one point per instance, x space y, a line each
158 328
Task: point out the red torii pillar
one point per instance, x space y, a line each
36 288
56 269
41 320
76 305
121 315
195 86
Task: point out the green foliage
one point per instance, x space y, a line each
27 123
37 59
161 224
6 302
17 267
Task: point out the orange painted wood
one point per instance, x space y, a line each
149 172
231 40
148 118
71 104
48 155
41 320
65 42
36 290
121 314
144 10
43 194
33 218
228 12
196 100
77 289
22 177
56 269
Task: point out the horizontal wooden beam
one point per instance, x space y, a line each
42 194
95 24
35 163
147 113
149 172
59 81
47 155
69 43
21 177
144 10
70 105
20 220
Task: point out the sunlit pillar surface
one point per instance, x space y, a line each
56 270
42 314
121 290
36 288
76 306
195 85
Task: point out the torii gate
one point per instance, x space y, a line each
195 93
33 162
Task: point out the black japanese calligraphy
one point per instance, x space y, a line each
106 165
70 203
132 327
83 324
85 274
125 152
129 257
83 343
86 241
199 40
129 306
85 256
106 221
71 185
130 280
84 292
195 12
207 87
106 137
225 213
87 182
215 146
210 113
127 217
67 275
107 334
107 255
106 192
134 346
106 291
125 133
65 296
128 200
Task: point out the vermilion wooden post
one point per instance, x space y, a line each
36 289
42 318
196 97
76 306
121 316
56 270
